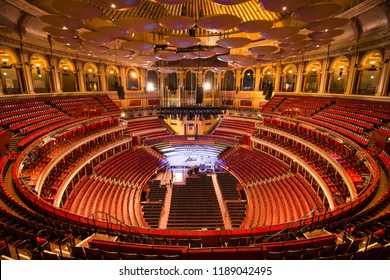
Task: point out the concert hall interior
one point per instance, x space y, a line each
195 129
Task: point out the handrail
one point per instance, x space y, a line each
321 152
80 166
302 163
121 223
59 157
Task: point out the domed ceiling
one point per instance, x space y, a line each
172 31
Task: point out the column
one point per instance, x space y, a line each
351 75
80 76
56 76
383 82
299 82
257 79
26 70
103 77
324 75
278 77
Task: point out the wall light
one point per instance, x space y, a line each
150 86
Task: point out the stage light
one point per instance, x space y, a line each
207 86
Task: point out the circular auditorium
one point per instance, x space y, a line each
195 130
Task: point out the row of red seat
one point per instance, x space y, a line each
357 116
253 166
351 120
35 135
346 132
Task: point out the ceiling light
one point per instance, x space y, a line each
65 28
113 6
326 30
284 8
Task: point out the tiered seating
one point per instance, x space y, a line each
307 106
108 104
346 132
113 189
281 200
152 207
385 130
235 128
371 111
79 106
147 128
195 205
38 133
236 205
270 107
34 117
339 151
252 166
385 157
139 161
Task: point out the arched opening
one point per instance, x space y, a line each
91 77
152 82
132 79
338 75
289 78
113 80
9 75
267 79
68 78
191 81
367 78
171 81
248 80
229 81
312 77
208 84
39 73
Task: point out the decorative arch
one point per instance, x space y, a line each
152 80
68 75
40 70
338 75
10 82
91 77
91 68
289 78
209 80
132 78
312 77
190 80
66 65
229 80
268 77
112 77
248 79
367 75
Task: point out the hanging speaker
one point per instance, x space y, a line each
199 95
121 92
